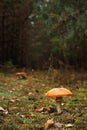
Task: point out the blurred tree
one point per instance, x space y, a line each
65 27
41 33
13 17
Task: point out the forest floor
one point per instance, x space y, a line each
23 105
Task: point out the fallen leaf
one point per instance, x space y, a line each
13 89
68 125
30 93
58 125
4 111
10 91
11 101
42 109
43 85
85 108
49 124
22 116
3 98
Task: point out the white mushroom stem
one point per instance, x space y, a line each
59 101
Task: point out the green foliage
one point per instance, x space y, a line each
12 3
65 25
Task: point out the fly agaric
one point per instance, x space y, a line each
58 94
21 75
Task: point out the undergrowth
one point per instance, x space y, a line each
27 108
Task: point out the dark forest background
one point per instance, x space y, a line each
44 33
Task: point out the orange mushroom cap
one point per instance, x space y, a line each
19 73
58 92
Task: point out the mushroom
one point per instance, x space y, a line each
21 75
58 94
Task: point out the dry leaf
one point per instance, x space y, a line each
3 110
49 124
58 125
3 98
42 109
68 125
85 108
43 85
30 93
11 101
13 89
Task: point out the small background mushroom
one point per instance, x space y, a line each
21 75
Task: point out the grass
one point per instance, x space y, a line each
28 108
